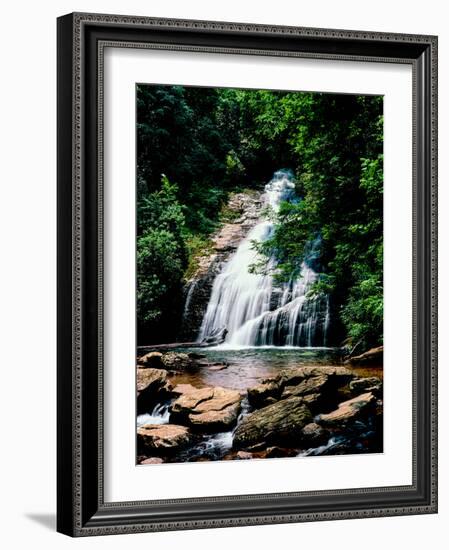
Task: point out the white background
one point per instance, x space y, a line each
123 481
27 218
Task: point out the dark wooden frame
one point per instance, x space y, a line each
81 507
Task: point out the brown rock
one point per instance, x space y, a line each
181 389
229 237
190 399
176 361
152 386
264 393
313 401
163 439
277 424
314 435
153 460
373 356
212 421
314 384
150 379
244 455
349 410
152 360
337 375
220 399
207 409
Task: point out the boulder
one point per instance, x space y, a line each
176 361
277 424
215 421
152 360
314 435
220 399
190 398
312 385
349 411
207 409
152 386
150 380
263 394
300 382
313 401
163 439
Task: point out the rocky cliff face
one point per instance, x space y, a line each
245 209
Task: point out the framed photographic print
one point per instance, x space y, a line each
246 274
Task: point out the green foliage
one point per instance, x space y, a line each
179 133
363 311
159 267
212 142
161 257
335 143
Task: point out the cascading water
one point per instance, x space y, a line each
159 415
252 307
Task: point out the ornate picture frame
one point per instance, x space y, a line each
82 510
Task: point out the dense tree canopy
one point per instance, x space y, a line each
196 145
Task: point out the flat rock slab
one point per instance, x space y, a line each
189 399
348 410
277 424
214 421
207 409
163 439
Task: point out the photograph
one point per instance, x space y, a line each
247 275
259 274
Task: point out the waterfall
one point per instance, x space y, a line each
252 307
159 415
